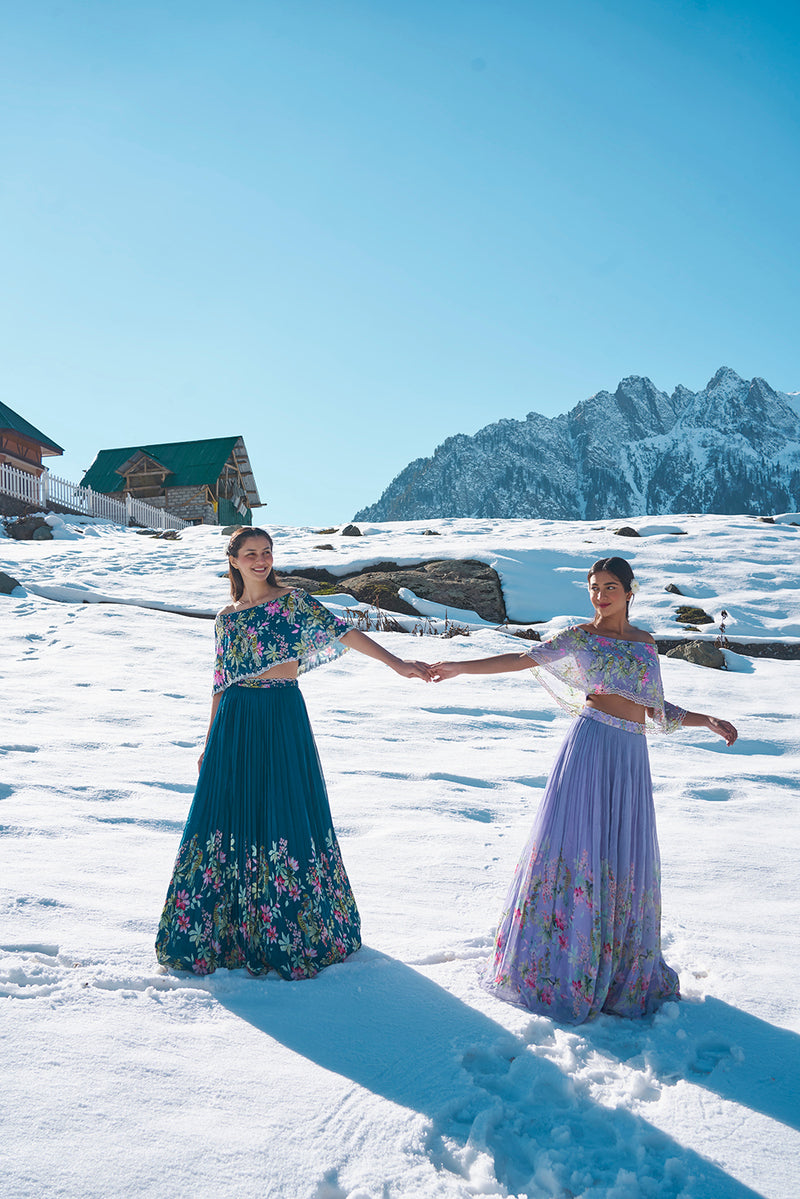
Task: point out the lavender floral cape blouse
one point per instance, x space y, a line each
293 628
574 664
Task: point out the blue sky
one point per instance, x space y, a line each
347 230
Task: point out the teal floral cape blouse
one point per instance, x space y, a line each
293 628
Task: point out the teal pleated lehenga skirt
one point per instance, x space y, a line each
259 881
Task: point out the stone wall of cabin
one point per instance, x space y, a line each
190 503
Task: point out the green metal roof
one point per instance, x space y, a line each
192 463
13 421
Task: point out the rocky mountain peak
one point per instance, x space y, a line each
732 447
725 379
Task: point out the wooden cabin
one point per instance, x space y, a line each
206 482
21 444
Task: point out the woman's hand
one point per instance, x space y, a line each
200 761
413 670
723 728
444 670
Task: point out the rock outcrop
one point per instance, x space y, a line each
453 583
29 528
688 614
7 583
702 653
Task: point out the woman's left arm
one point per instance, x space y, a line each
355 639
723 728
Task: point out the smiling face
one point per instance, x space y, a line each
253 558
609 597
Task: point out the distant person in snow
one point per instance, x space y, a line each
581 929
259 880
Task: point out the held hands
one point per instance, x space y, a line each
435 672
444 670
413 670
723 728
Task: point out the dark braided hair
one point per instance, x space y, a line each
234 546
619 568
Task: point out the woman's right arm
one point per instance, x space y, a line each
497 664
542 653
214 705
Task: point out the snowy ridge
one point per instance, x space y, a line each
732 447
740 564
393 1075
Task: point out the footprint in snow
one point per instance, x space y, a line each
462 780
529 1124
29 971
45 949
711 1053
482 815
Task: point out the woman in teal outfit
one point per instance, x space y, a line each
259 880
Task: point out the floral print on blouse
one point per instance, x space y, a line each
574 664
292 628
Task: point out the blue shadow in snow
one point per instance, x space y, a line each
389 1029
737 1056
744 748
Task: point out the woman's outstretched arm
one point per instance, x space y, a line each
497 664
359 641
698 720
723 728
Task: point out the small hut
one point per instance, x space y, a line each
22 447
206 482
21 444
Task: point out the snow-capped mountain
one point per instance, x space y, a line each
733 447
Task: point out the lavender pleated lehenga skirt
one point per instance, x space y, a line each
581 929
259 880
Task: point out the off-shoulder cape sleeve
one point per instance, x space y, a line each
574 664
320 631
292 628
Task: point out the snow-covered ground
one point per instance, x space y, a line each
392 1075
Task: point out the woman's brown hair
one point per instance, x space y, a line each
234 546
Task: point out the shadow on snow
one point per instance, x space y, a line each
737 1056
481 1089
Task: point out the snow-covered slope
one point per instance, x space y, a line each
392 1076
732 447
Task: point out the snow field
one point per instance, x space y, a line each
392 1075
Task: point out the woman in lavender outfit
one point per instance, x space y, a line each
581 929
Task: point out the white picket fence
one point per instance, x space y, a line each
49 489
